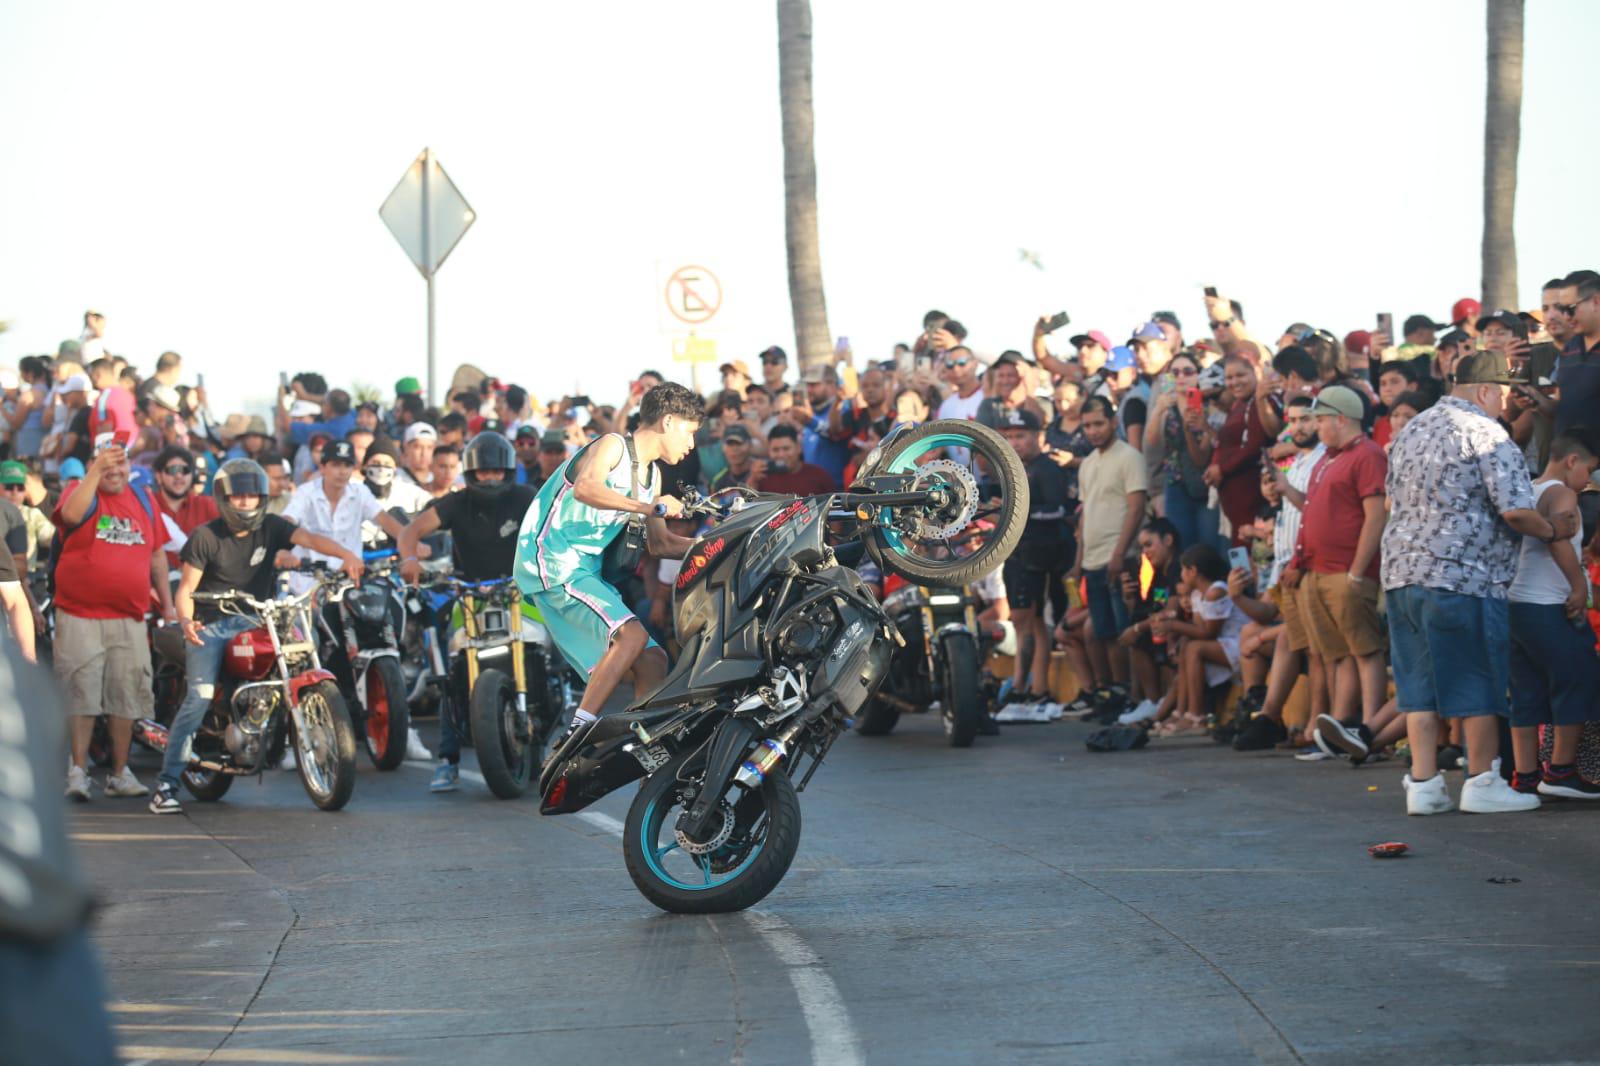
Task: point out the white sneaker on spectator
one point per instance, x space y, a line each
78 784
1047 710
1015 712
1427 797
288 762
1144 711
1489 793
416 750
125 784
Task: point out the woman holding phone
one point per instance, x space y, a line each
1182 439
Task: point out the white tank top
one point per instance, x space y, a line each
1539 579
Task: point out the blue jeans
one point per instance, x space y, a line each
1108 615
1451 652
201 666
1185 512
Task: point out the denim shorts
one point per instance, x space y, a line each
1108 615
1451 653
1555 677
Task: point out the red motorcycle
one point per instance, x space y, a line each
273 692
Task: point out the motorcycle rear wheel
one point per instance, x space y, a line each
918 562
325 751
962 703
877 719
507 750
207 786
388 717
756 871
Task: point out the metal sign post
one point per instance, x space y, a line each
428 215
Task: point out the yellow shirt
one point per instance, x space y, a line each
1104 482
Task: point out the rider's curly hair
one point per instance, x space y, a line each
670 398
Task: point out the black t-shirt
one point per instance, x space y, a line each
484 532
1047 537
1163 590
228 562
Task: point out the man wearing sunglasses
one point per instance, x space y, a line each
180 508
14 489
1578 370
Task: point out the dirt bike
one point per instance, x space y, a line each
273 692
508 687
782 644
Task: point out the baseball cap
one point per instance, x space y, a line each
1455 337
1121 358
165 396
1359 341
1212 379
1464 310
13 473
1012 356
1509 319
818 374
72 469
1484 368
1094 336
552 441
738 365
1416 322
527 431
420 431
76 383
407 385
1169 318
1150 331
1021 418
774 354
339 451
736 432
1338 400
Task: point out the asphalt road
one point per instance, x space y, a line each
1023 901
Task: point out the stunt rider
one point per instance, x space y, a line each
579 512
483 521
235 551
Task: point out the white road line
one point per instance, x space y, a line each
833 1037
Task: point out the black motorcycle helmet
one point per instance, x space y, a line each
488 451
241 477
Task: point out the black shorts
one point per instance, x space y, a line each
1028 587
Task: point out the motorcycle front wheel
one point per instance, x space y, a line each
388 717
505 740
325 749
763 834
937 546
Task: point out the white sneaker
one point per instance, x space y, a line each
1047 710
78 784
125 784
288 762
416 750
1015 712
1143 712
1427 797
1489 793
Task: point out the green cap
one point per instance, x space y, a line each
13 472
407 385
1338 400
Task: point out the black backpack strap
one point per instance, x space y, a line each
633 467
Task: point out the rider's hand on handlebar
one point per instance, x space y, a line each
410 571
354 568
668 506
286 560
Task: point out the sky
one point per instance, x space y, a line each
209 175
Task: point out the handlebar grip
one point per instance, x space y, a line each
660 510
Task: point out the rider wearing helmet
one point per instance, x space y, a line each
483 520
234 551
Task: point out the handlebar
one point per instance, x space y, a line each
708 506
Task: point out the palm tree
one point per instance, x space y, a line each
812 338
1502 131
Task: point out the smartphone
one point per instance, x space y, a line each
1195 401
1211 291
200 381
1056 321
1386 327
581 401
1239 559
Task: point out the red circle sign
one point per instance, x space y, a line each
693 295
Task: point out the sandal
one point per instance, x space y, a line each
1186 726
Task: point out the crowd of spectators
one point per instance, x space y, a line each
1393 531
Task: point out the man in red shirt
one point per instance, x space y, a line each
113 410
1336 560
182 510
109 562
786 472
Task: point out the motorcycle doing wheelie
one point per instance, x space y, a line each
782 643
273 692
373 627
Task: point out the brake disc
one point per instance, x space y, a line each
951 519
719 838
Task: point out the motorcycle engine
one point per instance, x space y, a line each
804 636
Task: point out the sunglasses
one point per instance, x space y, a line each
772 362
1220 323
12 488
175 469
1185 372
1566 309
958 362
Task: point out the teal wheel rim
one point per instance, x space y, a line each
655 855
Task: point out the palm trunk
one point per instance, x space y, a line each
1502 133
812 339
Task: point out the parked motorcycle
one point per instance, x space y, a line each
782 644
509 687
939 659
374 617
274 692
